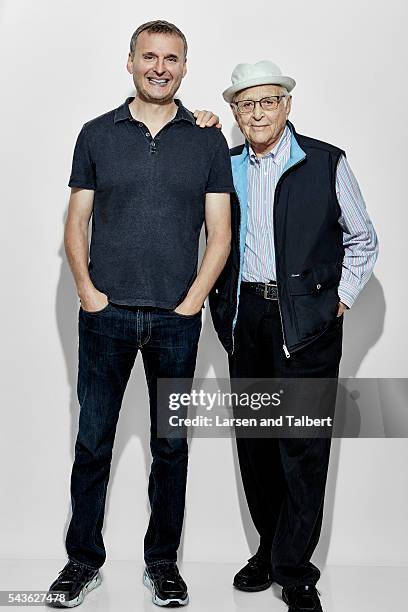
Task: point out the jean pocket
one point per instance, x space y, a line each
96 312
182 316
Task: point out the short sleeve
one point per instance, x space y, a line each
83 168
220 175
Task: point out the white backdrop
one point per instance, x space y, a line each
63 63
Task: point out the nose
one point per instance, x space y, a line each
258 111
159 67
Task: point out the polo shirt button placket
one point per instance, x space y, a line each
149 138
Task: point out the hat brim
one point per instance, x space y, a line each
287 82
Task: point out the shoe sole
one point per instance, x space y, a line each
89 586
255 589
170 603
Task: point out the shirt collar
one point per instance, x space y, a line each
277 150
123 112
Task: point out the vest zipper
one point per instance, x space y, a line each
239 270
284 346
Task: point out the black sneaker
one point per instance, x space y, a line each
75 580
167 586
302 598
255 576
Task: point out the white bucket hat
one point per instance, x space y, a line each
262 73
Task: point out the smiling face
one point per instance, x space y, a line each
158 65
262 128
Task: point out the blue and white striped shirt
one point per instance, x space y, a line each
359 237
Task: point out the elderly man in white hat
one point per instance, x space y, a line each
303 248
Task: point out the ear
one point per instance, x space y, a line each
129 64
185 68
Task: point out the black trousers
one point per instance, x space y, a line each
284 478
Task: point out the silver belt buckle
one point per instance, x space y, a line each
266 291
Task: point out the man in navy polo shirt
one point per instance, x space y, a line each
150 177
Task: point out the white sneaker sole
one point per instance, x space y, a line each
162 602
89 586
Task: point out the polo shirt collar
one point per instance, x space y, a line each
123 112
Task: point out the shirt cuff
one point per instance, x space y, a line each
81 184
220 190
347 293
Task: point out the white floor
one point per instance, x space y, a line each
343 589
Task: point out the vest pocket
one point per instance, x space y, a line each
314 298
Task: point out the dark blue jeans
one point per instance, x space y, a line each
108 344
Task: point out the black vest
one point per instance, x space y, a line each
308 249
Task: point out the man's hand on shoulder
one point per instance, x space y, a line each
206 118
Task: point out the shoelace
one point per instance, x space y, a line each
70 571
167 573
170 573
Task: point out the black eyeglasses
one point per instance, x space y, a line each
247 106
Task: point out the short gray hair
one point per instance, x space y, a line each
158 27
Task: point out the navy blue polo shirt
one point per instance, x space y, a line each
149 200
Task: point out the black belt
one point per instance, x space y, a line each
269 291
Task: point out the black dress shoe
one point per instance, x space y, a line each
302 598
255 576
75 581
166 585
